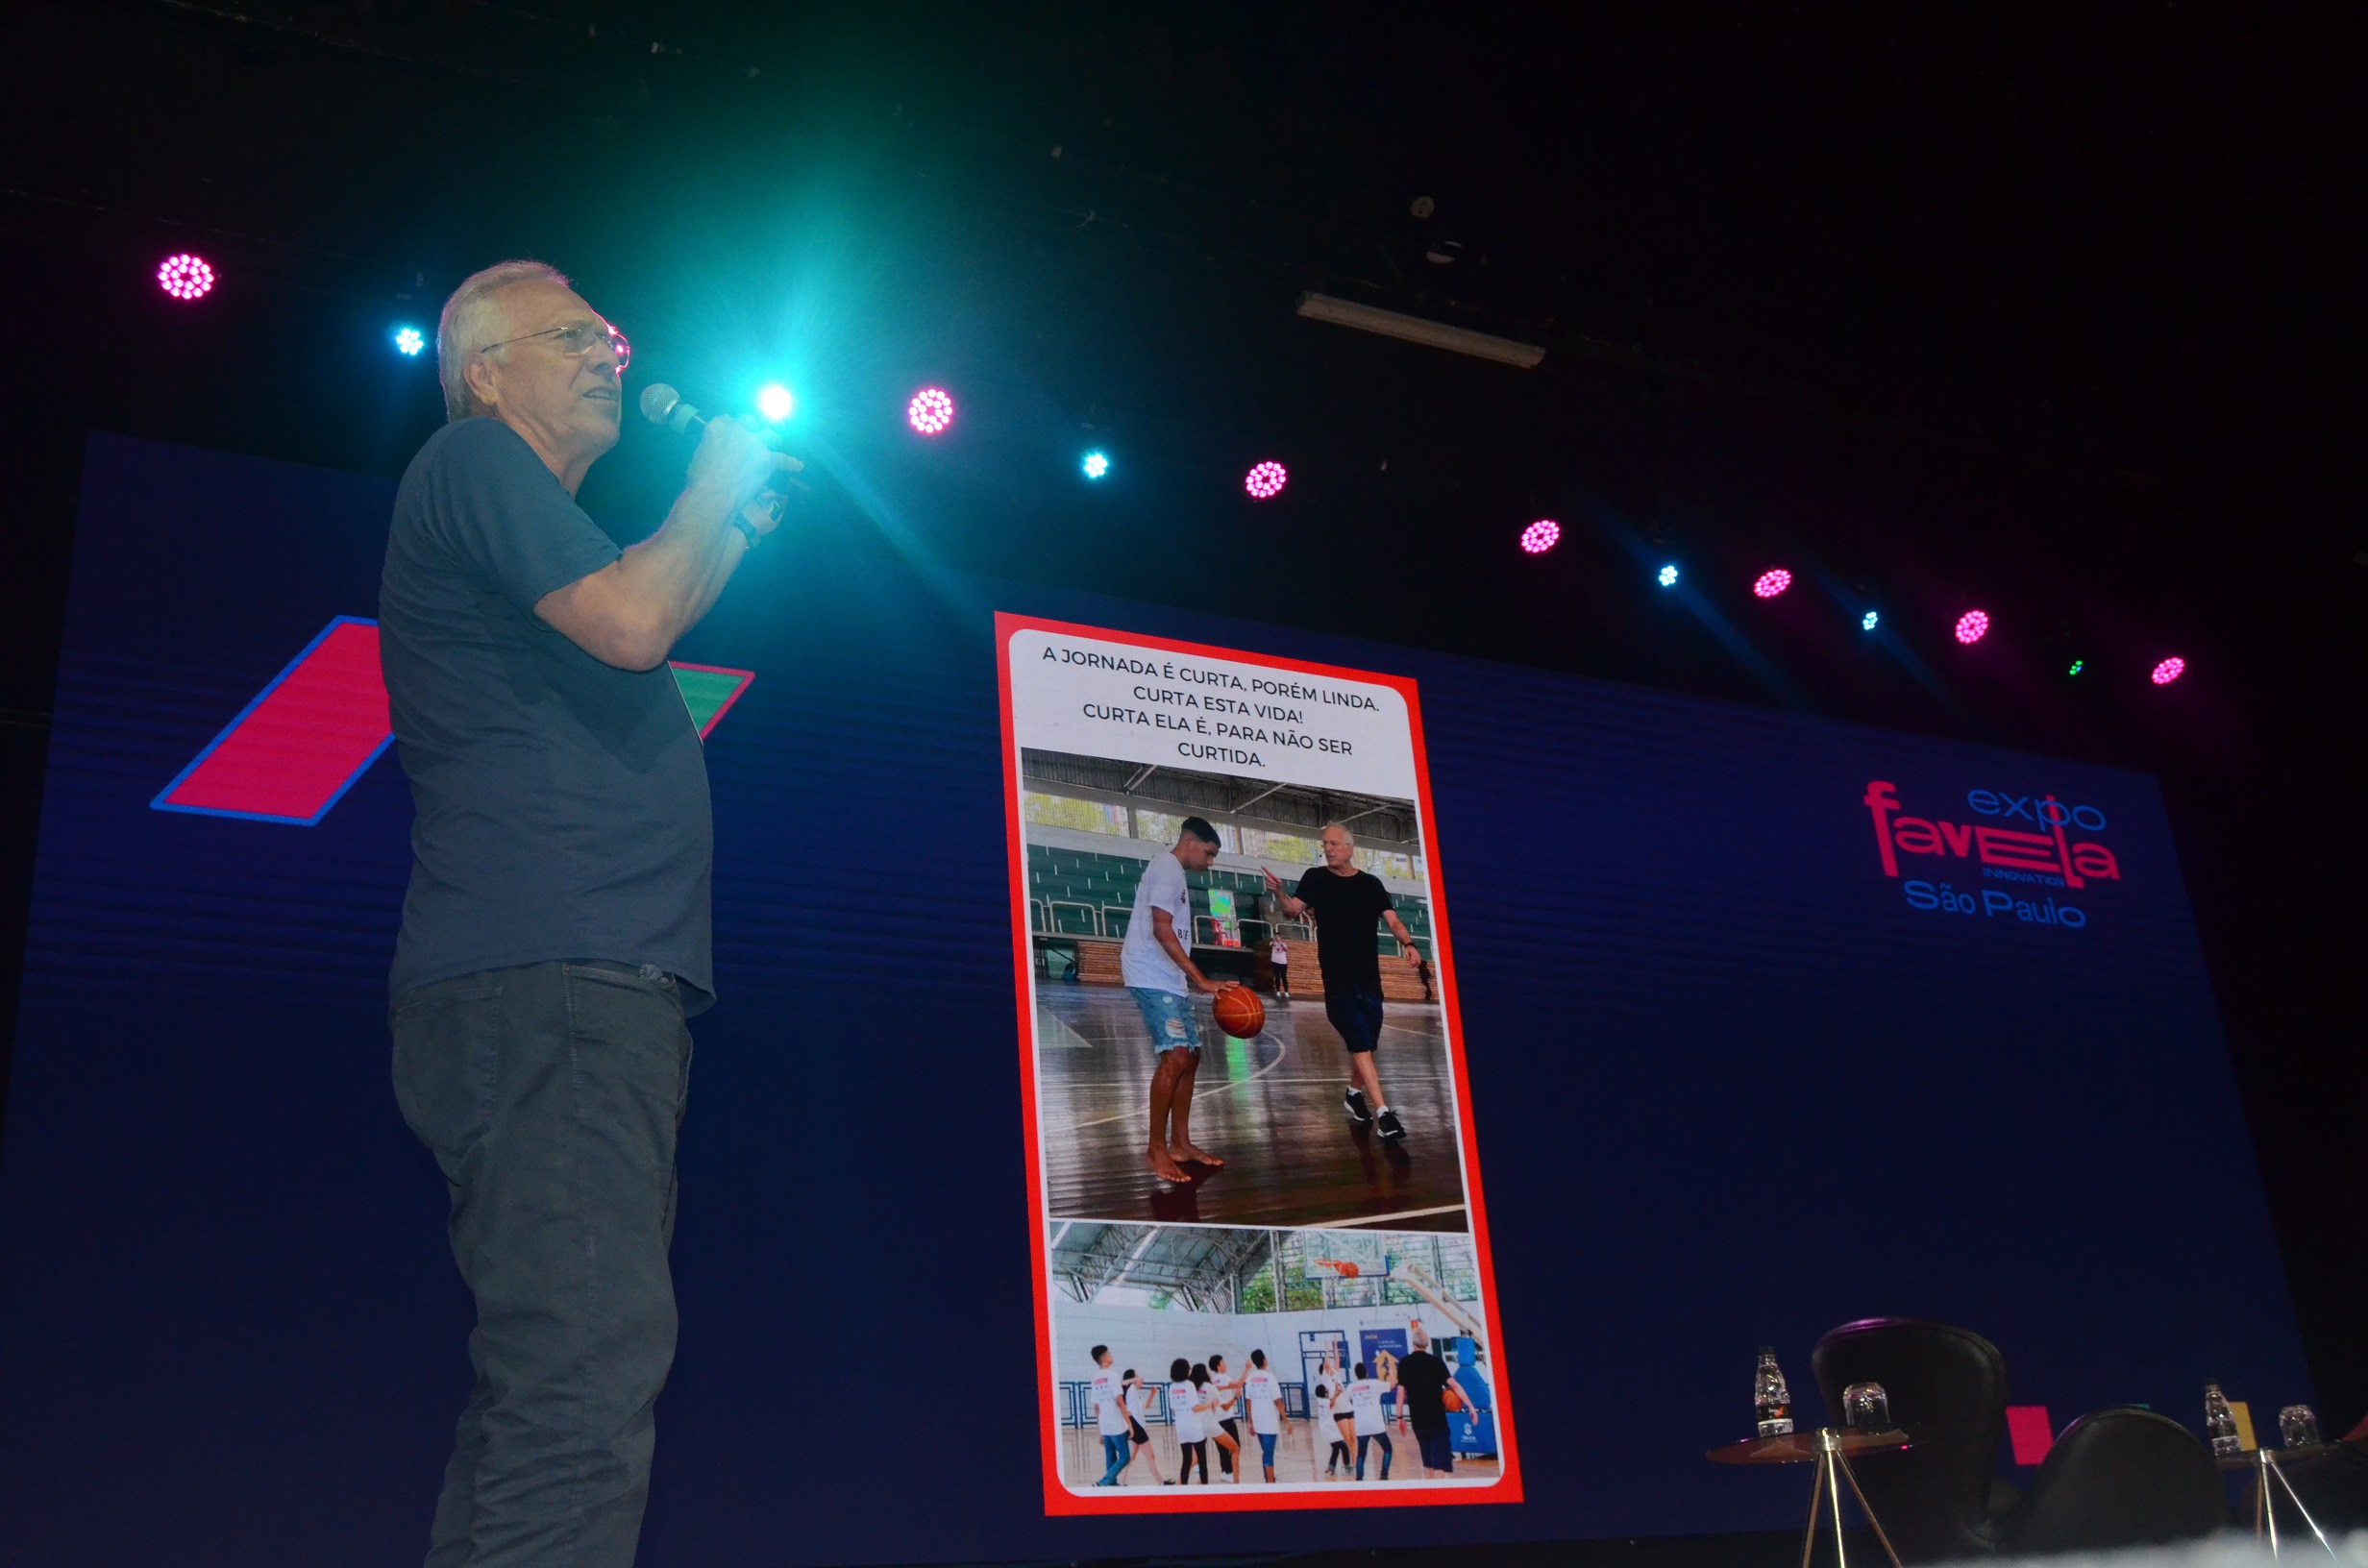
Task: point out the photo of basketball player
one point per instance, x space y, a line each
1142 913
1345 903
1161 977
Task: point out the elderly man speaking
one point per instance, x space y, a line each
556 932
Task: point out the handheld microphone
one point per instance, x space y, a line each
662 404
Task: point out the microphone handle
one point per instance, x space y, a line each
683 418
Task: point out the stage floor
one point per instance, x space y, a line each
1269 1107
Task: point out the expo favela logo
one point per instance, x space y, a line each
2043 857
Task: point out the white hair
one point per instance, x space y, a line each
1342 828
468 317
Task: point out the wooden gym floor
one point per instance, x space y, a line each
1269 1107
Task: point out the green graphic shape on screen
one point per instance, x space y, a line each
708 690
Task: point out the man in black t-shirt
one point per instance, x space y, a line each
1422 1385
555 933
1347 903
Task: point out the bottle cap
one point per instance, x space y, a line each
1768 1350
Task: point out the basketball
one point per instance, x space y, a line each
1239 1011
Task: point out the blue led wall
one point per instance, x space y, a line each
1733 1084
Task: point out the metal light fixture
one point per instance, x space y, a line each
1368 318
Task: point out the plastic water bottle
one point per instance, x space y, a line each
2219 1422
1770 1395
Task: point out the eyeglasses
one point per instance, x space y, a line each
577 339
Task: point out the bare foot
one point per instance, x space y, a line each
1164 1168
1195 1154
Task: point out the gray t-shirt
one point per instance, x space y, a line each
561 804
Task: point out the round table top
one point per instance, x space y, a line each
1803 1447
2276 1455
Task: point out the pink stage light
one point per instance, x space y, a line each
2169 670
1264 482
1972 627
1541 536
930 411
1772 582
185 277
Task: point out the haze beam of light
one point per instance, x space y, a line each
1881 634
916 553
1652 557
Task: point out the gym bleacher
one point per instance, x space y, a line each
1081 893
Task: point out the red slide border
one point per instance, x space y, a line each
1059 1499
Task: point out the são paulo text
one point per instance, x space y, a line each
1987 902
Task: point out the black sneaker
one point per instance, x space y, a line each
1358 1111
1389 1127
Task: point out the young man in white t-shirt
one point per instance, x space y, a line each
1278 954
1227 1415
1109 1403
1262 1394
1365 1397
1158 961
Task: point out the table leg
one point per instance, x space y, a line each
2260 1494
1832 1487
2269 1503
1851 1476
2271 1465
1809 1536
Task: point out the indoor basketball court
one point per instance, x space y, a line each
1269 1107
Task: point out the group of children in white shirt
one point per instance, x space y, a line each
1205 1405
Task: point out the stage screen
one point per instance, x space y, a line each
1754 1022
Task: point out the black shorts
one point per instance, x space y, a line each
1437 1451
1357 1015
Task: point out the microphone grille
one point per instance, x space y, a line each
657 400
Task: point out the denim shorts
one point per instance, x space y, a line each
1169 1019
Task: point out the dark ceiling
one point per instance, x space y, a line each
2040 309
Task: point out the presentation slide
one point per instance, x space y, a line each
1318 1176
1754 1022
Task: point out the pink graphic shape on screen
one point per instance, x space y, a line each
294 751
304 740
2028 1431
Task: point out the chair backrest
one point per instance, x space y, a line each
1948 1392
2119 1477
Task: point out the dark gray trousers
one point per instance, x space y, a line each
551 1095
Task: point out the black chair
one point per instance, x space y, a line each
1948 1391
2117 1477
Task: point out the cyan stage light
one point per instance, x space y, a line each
1667 576
774 402
1095 464
1870 621
410 341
